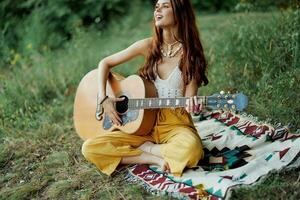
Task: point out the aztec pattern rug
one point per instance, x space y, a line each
237 151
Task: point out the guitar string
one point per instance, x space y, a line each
162 102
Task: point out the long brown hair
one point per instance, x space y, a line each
193 63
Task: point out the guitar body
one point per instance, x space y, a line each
139 108
138 122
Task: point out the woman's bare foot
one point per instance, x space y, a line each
146 147
151 148
154 149
164 166
147 158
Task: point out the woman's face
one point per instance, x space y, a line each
163 14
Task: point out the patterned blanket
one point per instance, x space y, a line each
237 151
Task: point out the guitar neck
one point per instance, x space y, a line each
150 103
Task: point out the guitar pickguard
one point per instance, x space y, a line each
129 116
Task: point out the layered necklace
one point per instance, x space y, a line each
170 52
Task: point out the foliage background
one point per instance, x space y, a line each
47 46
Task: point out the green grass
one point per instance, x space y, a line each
40 158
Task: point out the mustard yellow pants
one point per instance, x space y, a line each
180 144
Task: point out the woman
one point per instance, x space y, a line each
176 64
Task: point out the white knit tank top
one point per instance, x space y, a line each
170 87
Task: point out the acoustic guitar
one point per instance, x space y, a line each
138 109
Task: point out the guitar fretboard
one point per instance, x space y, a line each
149 103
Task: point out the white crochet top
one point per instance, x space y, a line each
170 87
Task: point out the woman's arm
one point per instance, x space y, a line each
136 49
192 104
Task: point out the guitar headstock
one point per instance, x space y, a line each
237 101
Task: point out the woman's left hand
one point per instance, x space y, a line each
192 105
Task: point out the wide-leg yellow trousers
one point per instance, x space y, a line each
180 143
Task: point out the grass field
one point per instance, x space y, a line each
40 158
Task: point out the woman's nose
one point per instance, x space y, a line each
157 8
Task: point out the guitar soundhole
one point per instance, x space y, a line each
122 106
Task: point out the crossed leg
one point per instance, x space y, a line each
151 155
180 148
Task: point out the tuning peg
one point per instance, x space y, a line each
222 92
233 107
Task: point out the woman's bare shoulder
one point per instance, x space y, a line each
144 45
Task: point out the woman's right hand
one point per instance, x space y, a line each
109 108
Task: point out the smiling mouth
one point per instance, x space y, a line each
159 17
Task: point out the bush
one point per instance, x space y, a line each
35 26
269 4
214 5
